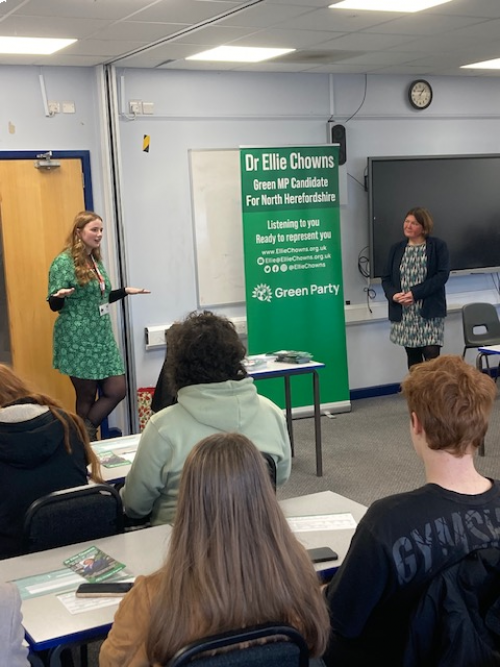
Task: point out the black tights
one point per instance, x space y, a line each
418 354
95 409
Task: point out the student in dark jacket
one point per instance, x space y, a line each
414 284
43 448
404 540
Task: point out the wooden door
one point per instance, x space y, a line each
37 208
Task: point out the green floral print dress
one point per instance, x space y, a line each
84 344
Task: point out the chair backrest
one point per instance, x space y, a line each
72 515
277 645
484 315
271 466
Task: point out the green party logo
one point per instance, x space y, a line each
262 292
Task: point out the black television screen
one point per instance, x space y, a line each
462 193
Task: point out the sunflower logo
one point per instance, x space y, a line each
262 293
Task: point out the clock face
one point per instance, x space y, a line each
420 94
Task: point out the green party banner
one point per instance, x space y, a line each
293 263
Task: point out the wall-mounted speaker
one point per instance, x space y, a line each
338 136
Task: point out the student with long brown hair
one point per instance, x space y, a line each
43 449
84 344
233 562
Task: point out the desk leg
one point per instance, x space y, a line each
479 366
288 411
317 425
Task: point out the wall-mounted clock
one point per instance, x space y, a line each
420 94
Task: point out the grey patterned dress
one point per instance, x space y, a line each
414 330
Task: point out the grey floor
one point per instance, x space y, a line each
367 454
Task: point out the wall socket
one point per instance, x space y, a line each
155 335
54 107
240 324
68 107
135 107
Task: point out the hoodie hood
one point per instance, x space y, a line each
29 435
225 406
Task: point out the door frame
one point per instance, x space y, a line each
83 156
123 320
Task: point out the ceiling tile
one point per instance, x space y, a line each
94 47
266 15
339 21
183 11
28 26
129 30
108 10
215 35
362 41
286 39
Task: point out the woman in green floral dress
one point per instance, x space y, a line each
84 343
414 285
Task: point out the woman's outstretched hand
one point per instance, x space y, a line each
63 293
137 290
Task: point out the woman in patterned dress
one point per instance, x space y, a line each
84 344
414 285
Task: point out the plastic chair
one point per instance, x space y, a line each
484 315
285 648
72 515
271 465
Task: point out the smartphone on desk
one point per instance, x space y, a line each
322 554
110 589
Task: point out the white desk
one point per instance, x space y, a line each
127 445
48 623
124 447
325 502
275 369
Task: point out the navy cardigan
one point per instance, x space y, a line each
431 291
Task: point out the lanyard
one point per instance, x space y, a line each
102 284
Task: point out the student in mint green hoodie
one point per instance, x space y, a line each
205 370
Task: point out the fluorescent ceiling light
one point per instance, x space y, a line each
239 54
485 64
33 45
389 5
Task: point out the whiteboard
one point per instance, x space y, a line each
218 230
